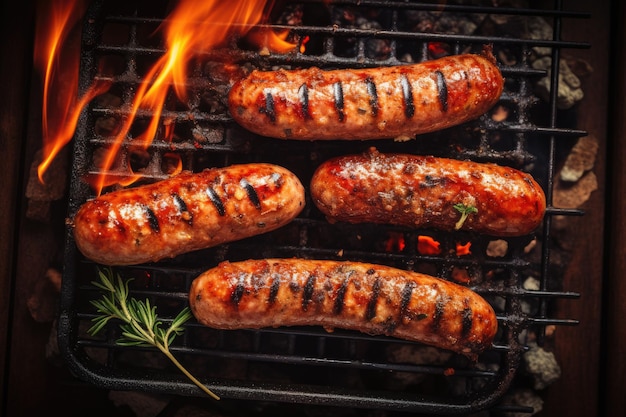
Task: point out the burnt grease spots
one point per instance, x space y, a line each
430 181
442 88
252 195
373 95
217 202
407 95
338 95
152 219
303 96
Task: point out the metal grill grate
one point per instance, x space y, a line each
310 365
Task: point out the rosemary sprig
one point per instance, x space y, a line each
465 211
141 326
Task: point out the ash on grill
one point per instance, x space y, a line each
211 139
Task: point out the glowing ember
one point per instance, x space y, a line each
463 249
426 245
438 49
395 242
191 30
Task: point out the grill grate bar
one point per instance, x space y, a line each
448 7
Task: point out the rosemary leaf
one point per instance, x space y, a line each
140 325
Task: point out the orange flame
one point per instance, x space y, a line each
188 33
60 107
265 38
193 28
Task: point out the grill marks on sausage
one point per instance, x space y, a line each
217 202
340 297
239 290
407 96
183 210
407 293
370 86
467 318
307 292
274 287
251 192
303 96
181 206
269 108
370 310
308 289
338 96
442 89
440 306
273 282
153 221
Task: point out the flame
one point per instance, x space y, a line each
60 106
187 34
303 43
189 31
268 40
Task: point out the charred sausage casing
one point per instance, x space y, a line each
188 212
377 103
422 192
373 299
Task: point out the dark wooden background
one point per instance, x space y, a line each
591 354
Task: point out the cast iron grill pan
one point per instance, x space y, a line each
310 365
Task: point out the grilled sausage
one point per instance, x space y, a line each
187 212
380 103
373 299
422 191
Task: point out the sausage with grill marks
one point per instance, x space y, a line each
395 102
422 191
188 212
370 298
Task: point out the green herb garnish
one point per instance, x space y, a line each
141 325
465 211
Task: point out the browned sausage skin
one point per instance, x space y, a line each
370 298
422 191
378 103
187 212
